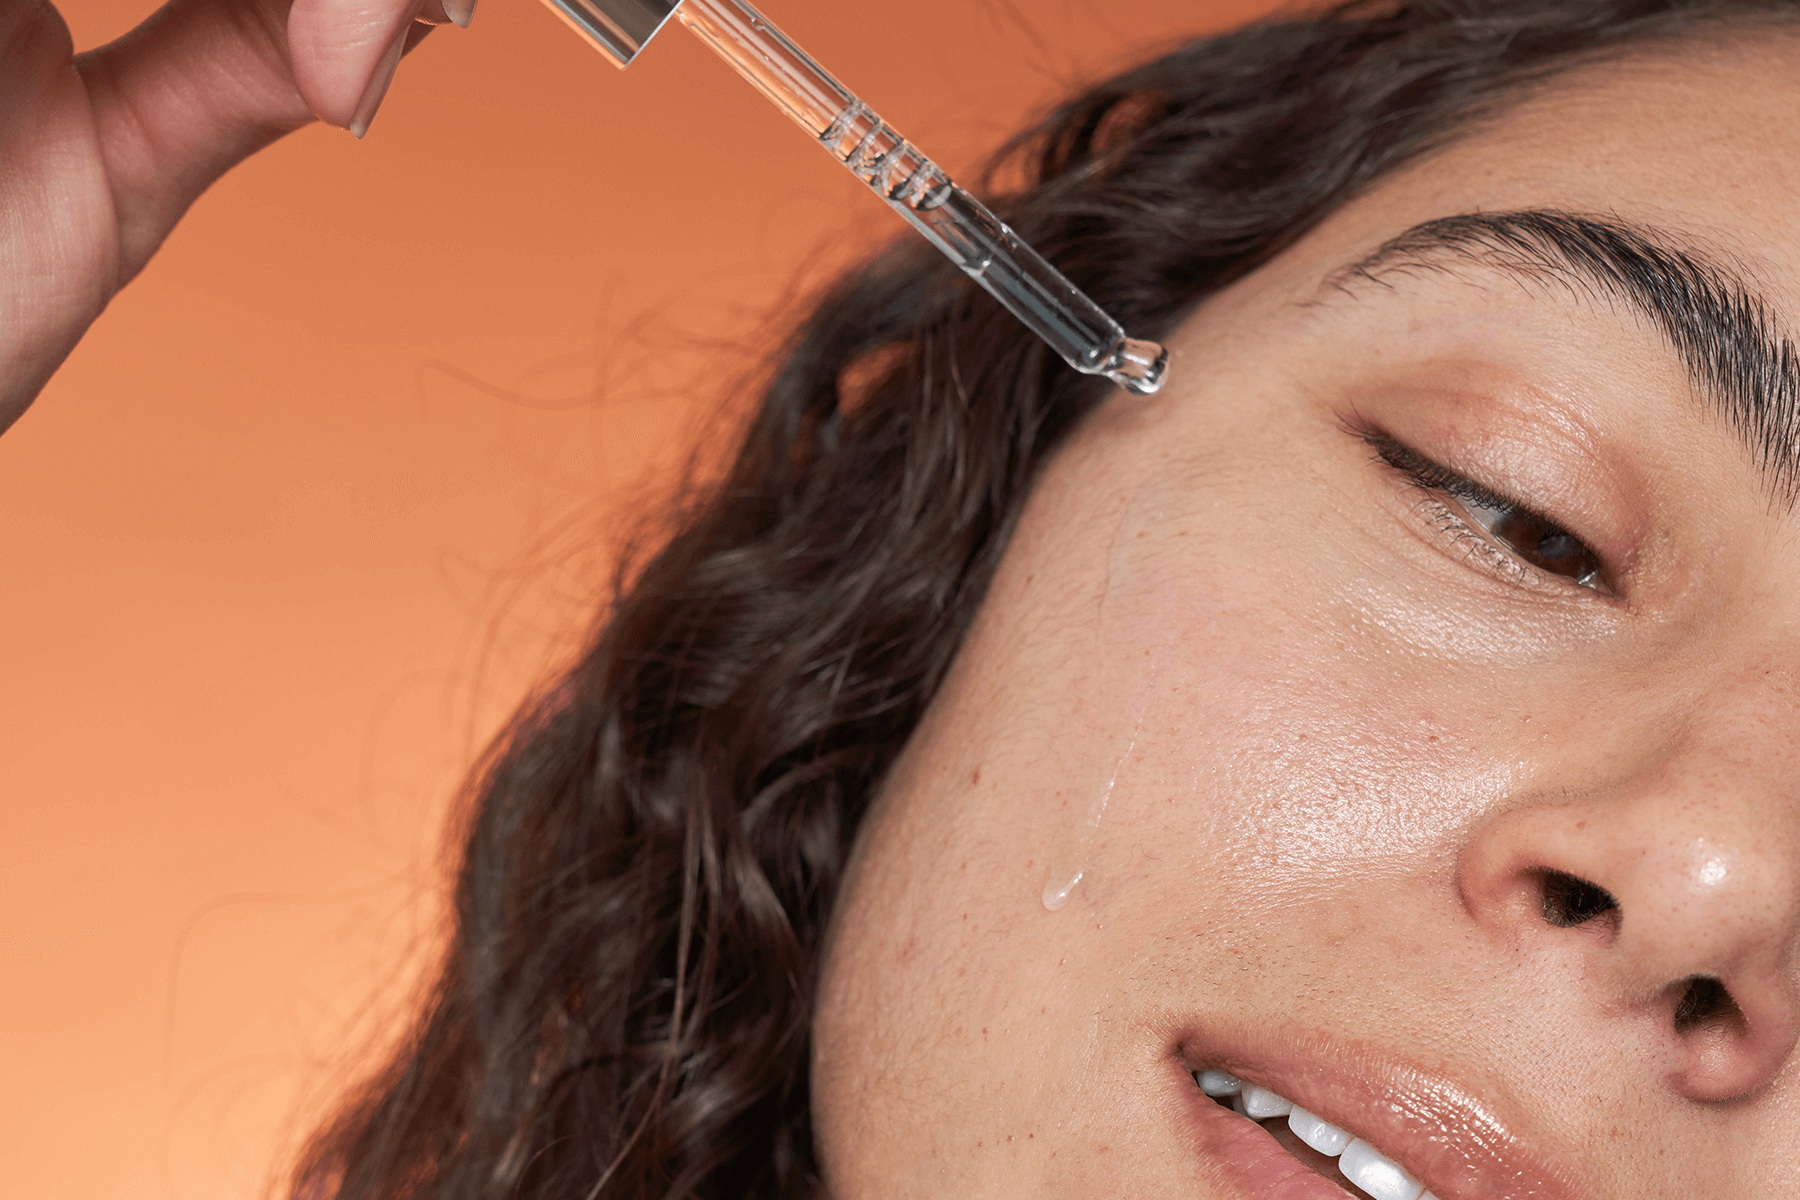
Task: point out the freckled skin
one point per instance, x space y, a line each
1342 753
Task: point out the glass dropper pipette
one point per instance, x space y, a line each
950 218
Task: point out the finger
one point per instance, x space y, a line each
57 242
376 89
344 54
181 99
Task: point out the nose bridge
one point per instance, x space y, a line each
1719 793
1699 835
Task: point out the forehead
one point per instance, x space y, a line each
1700 136
1696 146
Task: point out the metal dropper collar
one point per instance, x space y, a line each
620 28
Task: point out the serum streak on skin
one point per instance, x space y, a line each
1065 876
1069 864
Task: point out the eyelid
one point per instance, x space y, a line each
1430 475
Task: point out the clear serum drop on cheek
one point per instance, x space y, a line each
1057 894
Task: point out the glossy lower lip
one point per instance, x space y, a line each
1460 1146
1246 1157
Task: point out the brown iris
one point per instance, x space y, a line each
1545 546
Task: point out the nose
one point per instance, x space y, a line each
1677 893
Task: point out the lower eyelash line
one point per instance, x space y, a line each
1465 538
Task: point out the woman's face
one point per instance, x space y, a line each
1399 712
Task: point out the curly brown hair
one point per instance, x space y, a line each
652 851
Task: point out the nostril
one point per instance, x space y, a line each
1705 1003
1567 901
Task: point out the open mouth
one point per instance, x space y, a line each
1317 1143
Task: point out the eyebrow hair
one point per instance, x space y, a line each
1724 332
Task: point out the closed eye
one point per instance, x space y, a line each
1507 536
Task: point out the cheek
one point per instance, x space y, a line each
1249 752
1276 721
951 1030
1300 746
1208 729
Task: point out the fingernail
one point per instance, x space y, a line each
378 83
460 12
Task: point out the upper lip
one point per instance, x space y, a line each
1461 1146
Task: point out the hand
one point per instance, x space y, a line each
101 154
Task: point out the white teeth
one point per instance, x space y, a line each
1259 1104
1377 1174
1369 1169
1219 1083
1322 1136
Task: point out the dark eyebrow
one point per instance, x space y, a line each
1722 329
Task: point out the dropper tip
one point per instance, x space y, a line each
1139 367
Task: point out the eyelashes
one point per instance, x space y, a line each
1503 535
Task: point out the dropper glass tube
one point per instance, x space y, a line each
950 218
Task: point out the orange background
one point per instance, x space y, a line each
336 480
